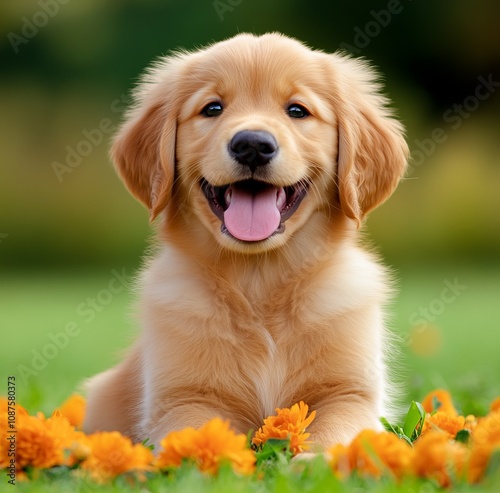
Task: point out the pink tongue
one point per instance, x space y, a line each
252 217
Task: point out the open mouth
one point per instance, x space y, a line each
253 210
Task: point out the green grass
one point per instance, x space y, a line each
37 308
315 477
466 361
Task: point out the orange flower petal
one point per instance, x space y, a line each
495 405
40 442
444 402
210 446
485 441
373 454
74 409
112 454
445 422
439 458
288 423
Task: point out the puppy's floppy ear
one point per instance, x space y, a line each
144 148
372 150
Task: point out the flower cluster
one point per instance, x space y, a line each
289 423
450 447
43 443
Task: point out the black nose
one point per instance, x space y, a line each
253 148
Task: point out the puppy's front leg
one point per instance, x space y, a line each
178 418
194 415
341 418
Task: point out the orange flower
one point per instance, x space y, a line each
445 422
41 442
437 457
443 400
47 442
485 441
338 458
74 409
289 423
210 446
495 405
112 454
373 453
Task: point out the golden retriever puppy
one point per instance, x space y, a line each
260 157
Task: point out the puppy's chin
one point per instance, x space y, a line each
251 247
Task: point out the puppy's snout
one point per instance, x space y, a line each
253 148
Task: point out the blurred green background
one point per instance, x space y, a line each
66 222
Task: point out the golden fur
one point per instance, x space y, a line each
237 328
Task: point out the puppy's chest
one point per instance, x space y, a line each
276 342
259 337
272 367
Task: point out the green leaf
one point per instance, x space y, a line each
250 436
414 421
275 450
145 443
388 427
408 440
463 436
397 430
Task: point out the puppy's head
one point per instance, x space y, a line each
253 136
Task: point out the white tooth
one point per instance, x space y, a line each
281 199
227 195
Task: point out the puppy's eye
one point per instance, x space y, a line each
297 111
212 109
